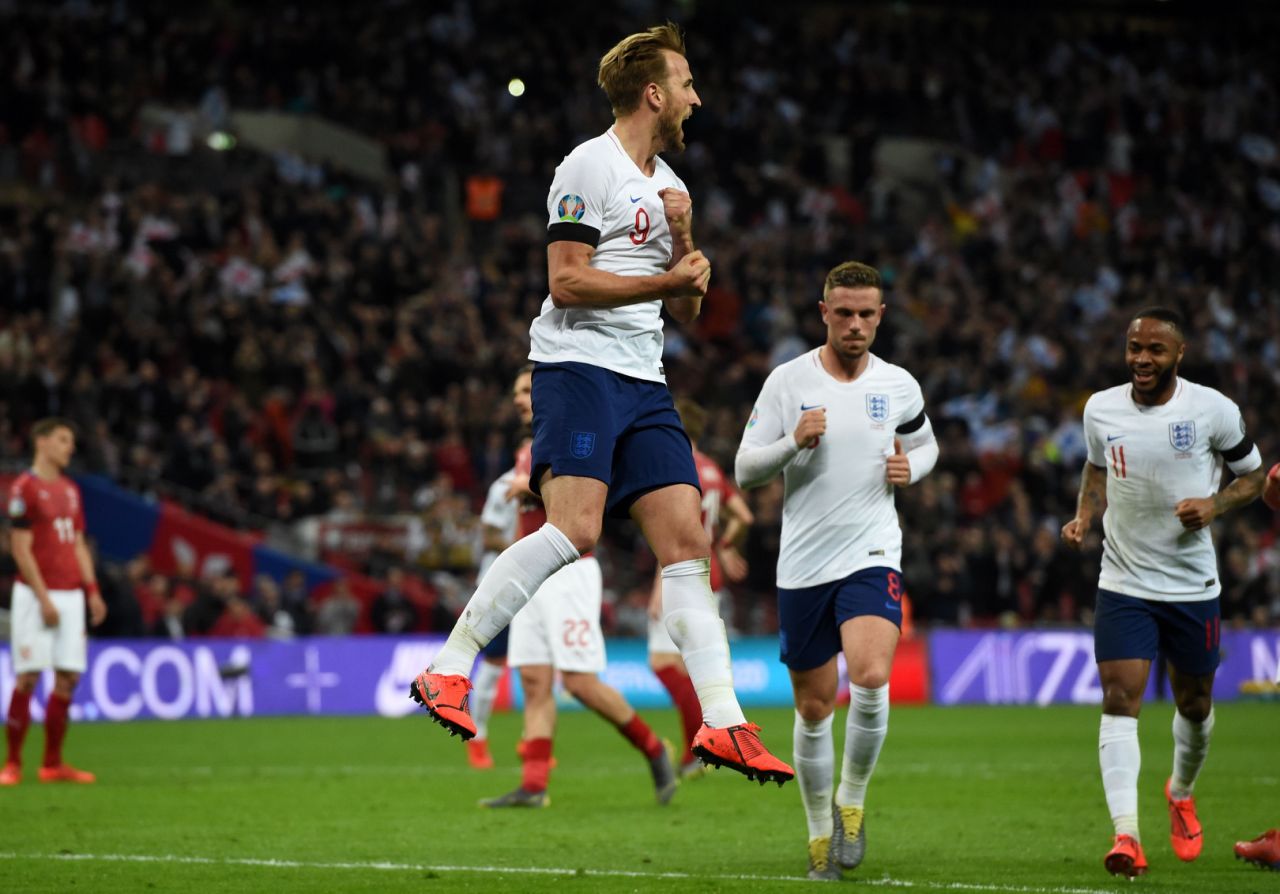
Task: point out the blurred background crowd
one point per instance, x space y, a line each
279 344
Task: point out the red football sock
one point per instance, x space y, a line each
680 688
638 733
537 765
16 727
55 729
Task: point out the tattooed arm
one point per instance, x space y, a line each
1092 503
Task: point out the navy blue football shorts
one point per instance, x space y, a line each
809 618
591 422
1186 633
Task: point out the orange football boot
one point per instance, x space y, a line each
739 748
11 774
66 773
1126 858
1184 826
446 698
1263 851
478 755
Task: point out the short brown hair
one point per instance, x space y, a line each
636 62
852 275
49 425
693 417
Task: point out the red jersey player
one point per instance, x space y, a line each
55 573
719 498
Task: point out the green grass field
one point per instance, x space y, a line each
964 799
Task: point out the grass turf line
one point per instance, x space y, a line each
996 799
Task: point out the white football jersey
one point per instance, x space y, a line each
600 196
500 513
1155 458
838 515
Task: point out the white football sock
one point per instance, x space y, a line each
1190 746
815 760
864 734
512 580
691 612
1120 759
484 692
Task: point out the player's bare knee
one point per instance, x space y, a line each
578 685
64 683
869 677
683 546
813 708
26 683
1119 701
1195 708
583 533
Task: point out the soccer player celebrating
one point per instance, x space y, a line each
559 630
606 437
845 428
55 574
718 496
1156 446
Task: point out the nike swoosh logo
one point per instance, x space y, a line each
433 694
893 606
1111 438
814 407
636 199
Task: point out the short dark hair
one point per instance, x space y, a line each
852 275
636 62
49 424
693 417
1164 315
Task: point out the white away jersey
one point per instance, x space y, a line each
500 513
1156 457
838 515
600 194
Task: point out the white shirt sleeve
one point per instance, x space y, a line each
1096 450
579 193
766 446
1229 434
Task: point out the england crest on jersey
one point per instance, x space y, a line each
878 407
1182 435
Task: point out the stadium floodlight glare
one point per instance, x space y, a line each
515 87
221 141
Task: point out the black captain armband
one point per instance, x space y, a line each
566 231
915 424
1238 452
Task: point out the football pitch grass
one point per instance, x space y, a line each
964 799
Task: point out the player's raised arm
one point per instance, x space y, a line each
677 206
915 452
575 283
767 446
1229 440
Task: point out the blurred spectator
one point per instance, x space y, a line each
338 613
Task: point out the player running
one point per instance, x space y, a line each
606 436
55 575
844 428
1156 449
559 630
719 496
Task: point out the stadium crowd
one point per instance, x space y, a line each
284 342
